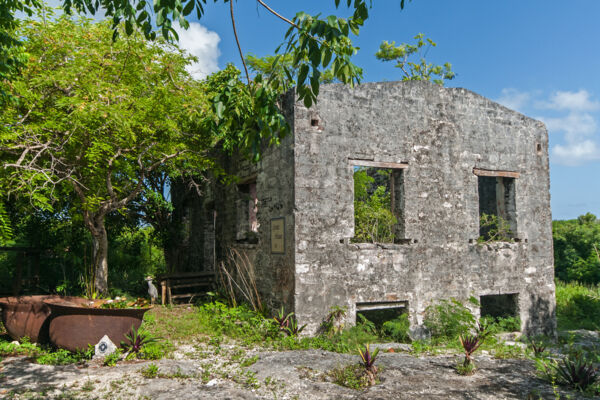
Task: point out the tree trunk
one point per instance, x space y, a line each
100 255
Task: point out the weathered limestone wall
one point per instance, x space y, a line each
442 134
274 178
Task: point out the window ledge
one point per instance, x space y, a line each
513 241
402 243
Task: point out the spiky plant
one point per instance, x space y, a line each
575 371
137 340
537 346
283 320
470 344
368 362
293 329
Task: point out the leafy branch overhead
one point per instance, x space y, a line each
420 70
314 42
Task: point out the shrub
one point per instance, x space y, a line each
577 306
447 319
398 329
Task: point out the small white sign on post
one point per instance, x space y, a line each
104 347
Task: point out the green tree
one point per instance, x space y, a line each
314 42
577 249
95 118
415 71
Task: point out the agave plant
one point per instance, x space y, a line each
368 362
137 340
576 372
470 344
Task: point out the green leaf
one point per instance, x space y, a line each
302 74
189 7
327 53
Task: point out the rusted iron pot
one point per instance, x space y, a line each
74 327
28 315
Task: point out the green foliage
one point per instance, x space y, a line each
12 54
58 357
577 249
43 354
5 226
501 324
494 228
537 345
574 371
577 306
415 71
113 114
465 369
137 340
65 263
368 357
111 359
217 320
398 329
447 319
331 325
350 376
150 372
373 219
278 72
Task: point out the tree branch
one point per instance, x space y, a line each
275 13
237 40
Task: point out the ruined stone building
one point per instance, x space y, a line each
452 156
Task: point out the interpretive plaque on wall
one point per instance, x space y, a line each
278 235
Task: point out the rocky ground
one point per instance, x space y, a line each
216 371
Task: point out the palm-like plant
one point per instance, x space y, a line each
137 340
576 372
368 362
470 344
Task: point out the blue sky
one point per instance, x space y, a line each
539 57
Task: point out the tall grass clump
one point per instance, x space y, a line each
577 306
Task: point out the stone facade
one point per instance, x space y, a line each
450 148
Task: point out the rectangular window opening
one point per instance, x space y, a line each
502 307
497 209
379 313
247 209
378 204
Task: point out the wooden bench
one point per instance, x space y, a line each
196 284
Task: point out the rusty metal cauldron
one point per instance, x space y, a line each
27 316
73 327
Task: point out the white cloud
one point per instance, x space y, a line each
575 125
202 43
576 153
571 118
572 101
513 99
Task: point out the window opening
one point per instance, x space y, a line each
500 306
391 318
497 210
247 209
378 205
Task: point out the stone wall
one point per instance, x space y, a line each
442 134
274 179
